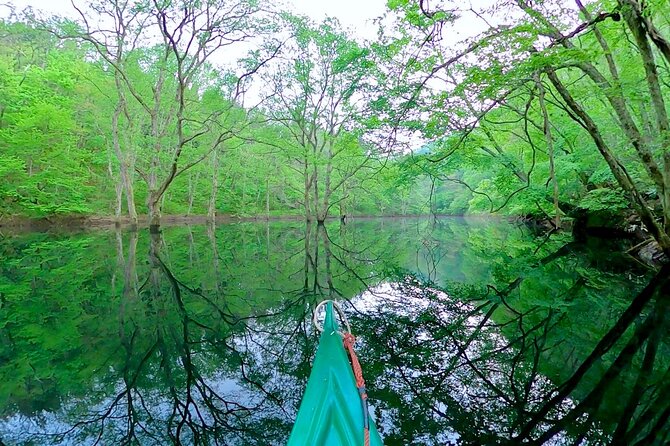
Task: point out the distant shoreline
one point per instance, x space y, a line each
78 223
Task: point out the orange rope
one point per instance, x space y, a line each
349 341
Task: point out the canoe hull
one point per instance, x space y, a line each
331 412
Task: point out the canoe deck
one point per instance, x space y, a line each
331 412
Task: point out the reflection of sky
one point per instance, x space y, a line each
273 348
155 407
465 387
264 347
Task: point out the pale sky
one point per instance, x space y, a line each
354 14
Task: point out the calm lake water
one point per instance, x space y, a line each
470 331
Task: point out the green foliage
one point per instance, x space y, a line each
224 312
610 200
57 98
58 156
47 153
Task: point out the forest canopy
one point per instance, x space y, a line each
545 109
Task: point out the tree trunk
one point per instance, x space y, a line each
155 193
343 204
315 185
267 198
192 186
616 167
130 198
119 200
190 196
118 189
130 286
431 199
327 183
616 99
267 241
308 217
550 146
636 24
211 209
124 164
154 206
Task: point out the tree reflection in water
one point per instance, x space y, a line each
207 340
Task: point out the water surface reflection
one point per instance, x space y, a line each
471 332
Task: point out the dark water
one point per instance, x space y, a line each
470 332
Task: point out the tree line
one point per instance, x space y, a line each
551 109
556 106
123 112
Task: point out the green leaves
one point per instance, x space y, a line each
44 157
611 200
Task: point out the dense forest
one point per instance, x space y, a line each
166 114
546 109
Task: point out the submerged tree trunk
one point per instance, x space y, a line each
154 206
308 257
192 252
154 281
211 235
119 256
327 253
130 285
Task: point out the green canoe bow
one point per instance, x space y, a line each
331 411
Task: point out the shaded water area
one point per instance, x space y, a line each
470 331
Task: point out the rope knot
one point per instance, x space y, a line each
349 340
